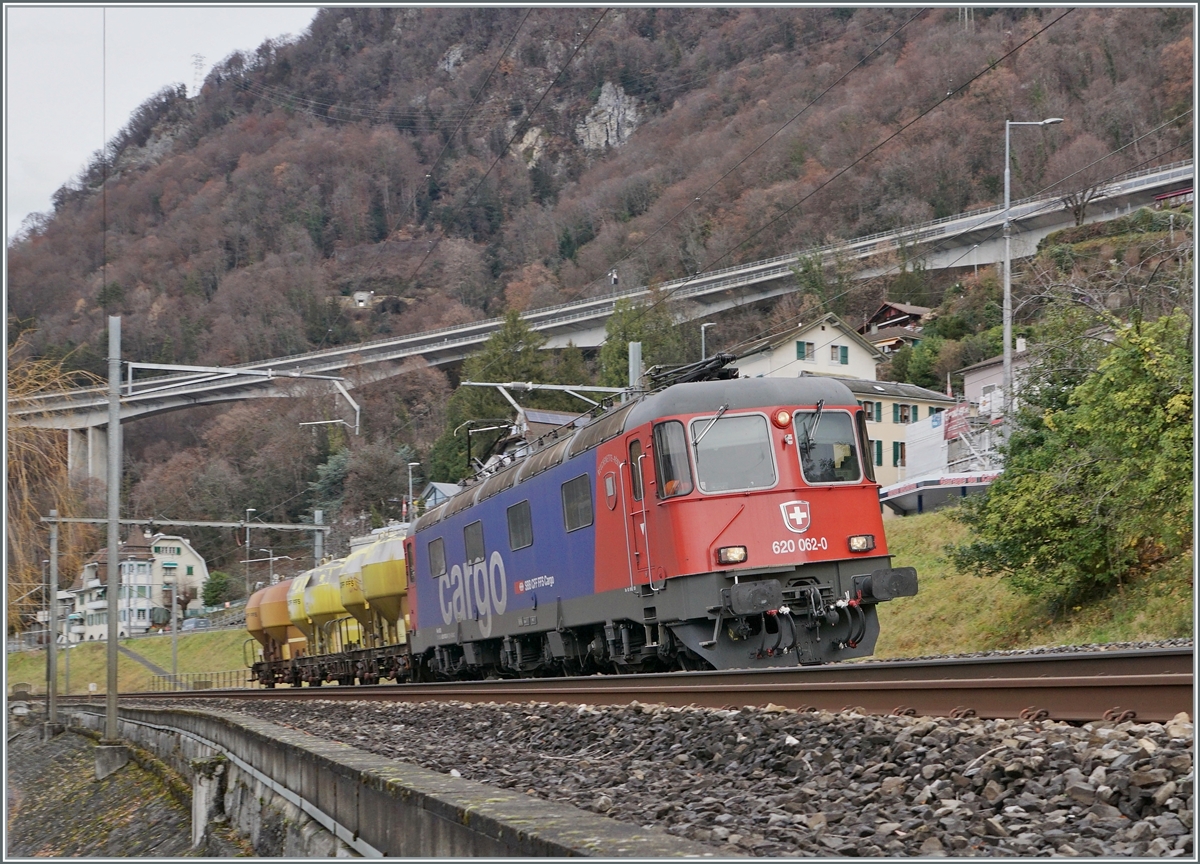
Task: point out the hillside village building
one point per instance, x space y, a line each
147 564
894 326
827 346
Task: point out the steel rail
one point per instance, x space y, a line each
1146 685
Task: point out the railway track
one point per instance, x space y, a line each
1147 685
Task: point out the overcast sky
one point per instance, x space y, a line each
65 94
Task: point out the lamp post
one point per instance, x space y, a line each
1008 314
703 327
51 671
411 503
174 583
249 510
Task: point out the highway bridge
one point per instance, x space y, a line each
964 240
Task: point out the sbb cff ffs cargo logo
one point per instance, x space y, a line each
796 516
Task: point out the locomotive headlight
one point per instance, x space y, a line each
731 554
782 418
862 542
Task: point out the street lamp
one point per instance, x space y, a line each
249 510
173 580
1008 315
703 327
412 465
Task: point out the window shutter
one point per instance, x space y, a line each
879 453
799 350
895 454
845 351
879 412
916 413
895 412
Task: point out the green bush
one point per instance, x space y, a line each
1099 486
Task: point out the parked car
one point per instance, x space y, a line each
195 624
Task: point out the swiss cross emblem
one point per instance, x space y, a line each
796 516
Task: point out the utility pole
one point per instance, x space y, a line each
52 626
249 510
110 754
318 538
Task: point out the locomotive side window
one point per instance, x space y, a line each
577 503
635 468
520 526
670 454
733 453
437 558
864 444
828 446
473 540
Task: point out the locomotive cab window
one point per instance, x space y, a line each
827 442
733 453
635 468
671 460
473 540
864 444
437 558
577 503
520 526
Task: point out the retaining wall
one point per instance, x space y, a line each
296 795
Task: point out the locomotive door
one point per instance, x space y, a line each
638 471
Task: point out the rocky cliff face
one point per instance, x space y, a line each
611 122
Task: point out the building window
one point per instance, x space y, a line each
806 351
898 454
189 570
933 409
141 614
520 526
839 354
905 413
873 410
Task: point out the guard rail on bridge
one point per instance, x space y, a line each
723 288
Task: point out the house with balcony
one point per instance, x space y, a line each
826 346
956 454
150 567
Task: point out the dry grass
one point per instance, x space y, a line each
36 484
218 651
958 613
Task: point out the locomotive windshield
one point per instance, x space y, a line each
671 460
733 453
828 447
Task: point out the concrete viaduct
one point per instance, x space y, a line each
964 240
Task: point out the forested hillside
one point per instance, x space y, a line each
462 163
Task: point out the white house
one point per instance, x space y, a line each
983 383
826 346
146 567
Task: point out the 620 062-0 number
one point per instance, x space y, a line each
802 544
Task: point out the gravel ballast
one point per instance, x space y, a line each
784 783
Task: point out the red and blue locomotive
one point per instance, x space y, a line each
714 524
